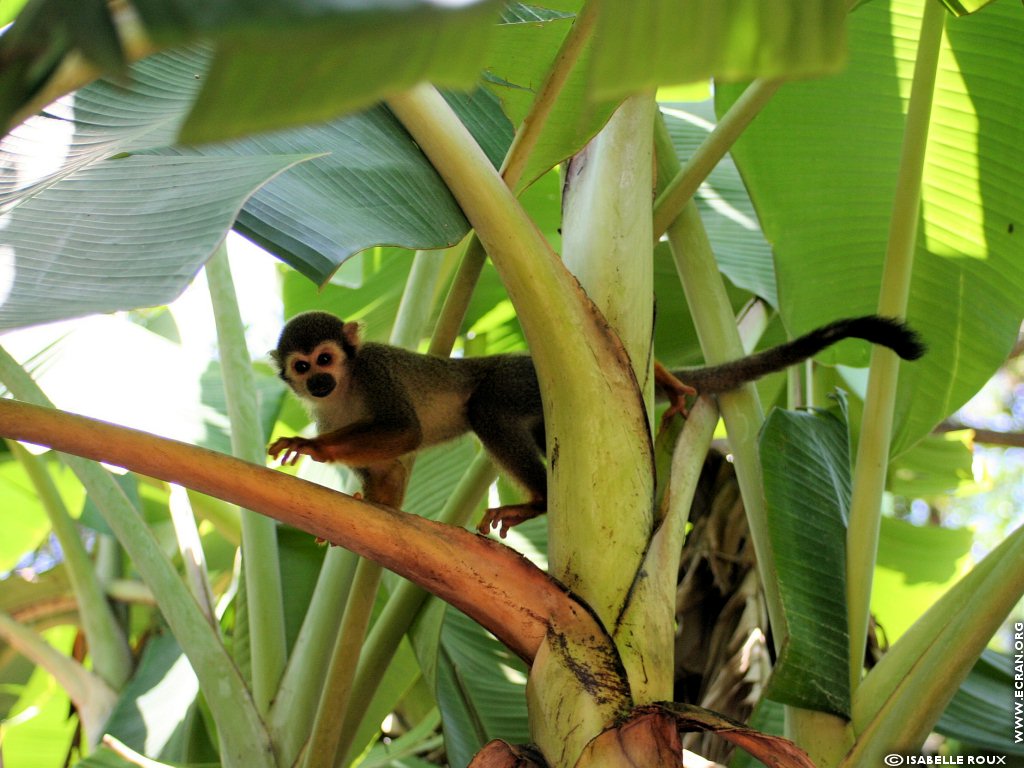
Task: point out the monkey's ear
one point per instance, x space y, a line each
279 362
350 333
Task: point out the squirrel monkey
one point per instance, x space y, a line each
374 403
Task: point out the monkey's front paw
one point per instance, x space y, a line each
288 449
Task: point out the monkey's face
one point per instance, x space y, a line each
316 375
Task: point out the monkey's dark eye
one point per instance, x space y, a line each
324 358
301 366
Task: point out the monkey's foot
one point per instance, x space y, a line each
290 448
676 391
504 518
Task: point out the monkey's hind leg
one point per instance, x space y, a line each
381 484
517 448
516 451
385 483
508 516
506 413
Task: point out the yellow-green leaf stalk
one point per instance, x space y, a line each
260 564
512 168
879 402
743 415
679 190
606 237
582 368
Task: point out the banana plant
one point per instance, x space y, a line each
320 132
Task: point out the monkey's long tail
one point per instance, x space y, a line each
889 332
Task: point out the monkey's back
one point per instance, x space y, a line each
440 389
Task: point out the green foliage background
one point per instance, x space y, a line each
159 161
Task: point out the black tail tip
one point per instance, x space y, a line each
905 341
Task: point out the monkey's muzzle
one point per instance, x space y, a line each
320 384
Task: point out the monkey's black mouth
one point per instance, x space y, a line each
320 384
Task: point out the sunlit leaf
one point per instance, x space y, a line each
821 161
916 565
937 464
